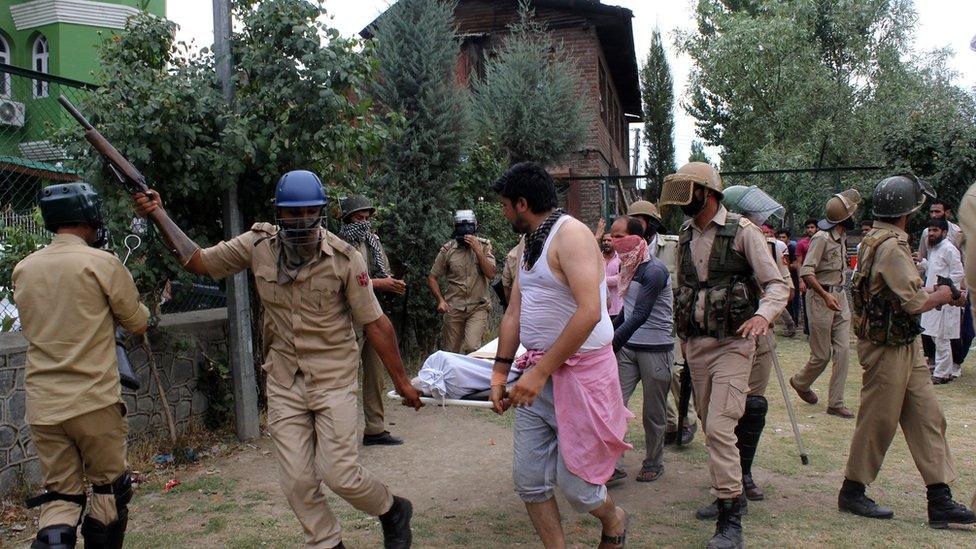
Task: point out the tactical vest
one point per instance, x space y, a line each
731 290
879 318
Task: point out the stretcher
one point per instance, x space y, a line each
449 379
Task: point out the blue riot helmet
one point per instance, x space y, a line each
299 189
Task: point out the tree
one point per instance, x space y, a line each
300 104
798 84
698 153
416 51
657 89
529 101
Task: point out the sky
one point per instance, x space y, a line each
942 23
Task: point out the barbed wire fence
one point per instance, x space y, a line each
34 154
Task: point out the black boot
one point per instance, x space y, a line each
710 511
853 500
943 511
396 524
748 431
56 536
728 527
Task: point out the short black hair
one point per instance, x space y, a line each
939 223
810 221
940 202
528 180
634 226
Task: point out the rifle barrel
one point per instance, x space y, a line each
74 112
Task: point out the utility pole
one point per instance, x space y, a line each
240 350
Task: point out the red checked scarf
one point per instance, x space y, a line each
632 250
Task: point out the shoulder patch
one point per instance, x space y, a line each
668 237
264 227
744 222
448 245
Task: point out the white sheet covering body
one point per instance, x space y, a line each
451 376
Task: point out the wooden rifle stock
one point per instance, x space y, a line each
133 182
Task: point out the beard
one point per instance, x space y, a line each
520 226
935 241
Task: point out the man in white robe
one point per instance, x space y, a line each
942 325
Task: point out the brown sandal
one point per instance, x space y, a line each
649 475
614 542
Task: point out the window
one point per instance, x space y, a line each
4 58
39 62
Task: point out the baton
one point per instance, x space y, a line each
804 459
684 398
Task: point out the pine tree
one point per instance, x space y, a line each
698 152
528 101
416 50
657 89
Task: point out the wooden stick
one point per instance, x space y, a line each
159 387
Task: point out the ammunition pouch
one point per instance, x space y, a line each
879 318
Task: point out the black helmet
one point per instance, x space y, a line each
900 195
70 204
355 203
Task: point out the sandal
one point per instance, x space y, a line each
614 542
649 475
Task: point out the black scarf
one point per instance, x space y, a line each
354 233
536 240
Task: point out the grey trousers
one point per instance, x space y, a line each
538 466
653 370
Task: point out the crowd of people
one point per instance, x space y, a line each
596 316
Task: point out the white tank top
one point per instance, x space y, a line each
547 304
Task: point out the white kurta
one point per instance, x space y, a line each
943 260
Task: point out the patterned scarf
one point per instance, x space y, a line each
536 240
355 233
632 251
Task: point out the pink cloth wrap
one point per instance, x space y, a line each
590 414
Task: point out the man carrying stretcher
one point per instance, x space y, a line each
570 420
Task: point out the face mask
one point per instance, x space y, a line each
300 230
463 229
694 207
653 227
848 224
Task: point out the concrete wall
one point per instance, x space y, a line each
178 344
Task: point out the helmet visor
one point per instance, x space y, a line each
299 230
760 207
677 190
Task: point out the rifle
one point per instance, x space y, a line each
133 182
684 398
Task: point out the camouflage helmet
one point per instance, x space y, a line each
355 203
900 195
840 208
753 203
643 207
679 187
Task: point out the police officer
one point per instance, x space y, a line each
829 315
356 212
729 289
896 390
664 247
70 295
467 264
758 207
510 270
315 289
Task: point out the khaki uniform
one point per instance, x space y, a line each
720 369
312 359
467 296
667 249
967 221
896 388
765 346
510 269
830 331
374 380
69 296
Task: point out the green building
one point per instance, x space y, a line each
58 38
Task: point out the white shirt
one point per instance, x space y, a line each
942 260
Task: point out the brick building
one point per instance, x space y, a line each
600 37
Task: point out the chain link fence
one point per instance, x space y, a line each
33 154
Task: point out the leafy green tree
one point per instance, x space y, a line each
529 100
798 84
300 103
657 89
416 52
698 152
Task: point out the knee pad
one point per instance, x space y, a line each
749 430
121 488
105 536
757 404
56 536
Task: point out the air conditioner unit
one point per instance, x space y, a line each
11 113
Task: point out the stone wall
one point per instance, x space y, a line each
178 342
